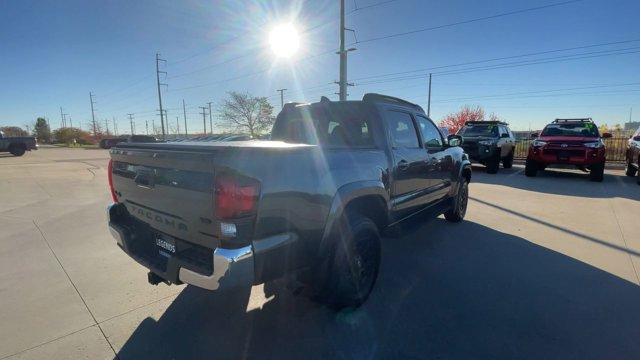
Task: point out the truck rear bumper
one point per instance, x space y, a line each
231 267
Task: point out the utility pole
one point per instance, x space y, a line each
115 127
106 126
281 91
184 112
210 119
131 122
61 118
429 100
204 118
159 92
93 115
146 126
70 122
177 125
343 57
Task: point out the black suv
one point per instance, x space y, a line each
489 142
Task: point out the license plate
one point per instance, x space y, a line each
563 155
167 246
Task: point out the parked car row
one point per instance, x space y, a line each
108 143
574 142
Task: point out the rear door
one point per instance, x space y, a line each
410 163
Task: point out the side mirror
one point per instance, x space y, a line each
606 135
534 135
454 140
505 135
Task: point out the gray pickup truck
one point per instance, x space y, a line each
17 146
310 203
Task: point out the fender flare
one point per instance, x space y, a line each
344 195
464 165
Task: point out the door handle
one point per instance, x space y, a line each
403 165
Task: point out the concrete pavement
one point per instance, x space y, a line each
542 267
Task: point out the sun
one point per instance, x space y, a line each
284 40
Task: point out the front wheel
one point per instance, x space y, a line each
530 168
507 162
597 172
459 207
17 150
631 170
351 266
493 164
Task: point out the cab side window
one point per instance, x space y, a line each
431 136
403 132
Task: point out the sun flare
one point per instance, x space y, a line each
284 40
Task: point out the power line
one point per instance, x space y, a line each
538 92
504 58
536 8
358 8
555 59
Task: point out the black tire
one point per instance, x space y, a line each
493 164
597 172
459 206
631 170
530 168
346 276
17 150
507 162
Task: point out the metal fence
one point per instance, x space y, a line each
616 148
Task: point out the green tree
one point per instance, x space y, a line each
68 135
12 131
245 113
42 131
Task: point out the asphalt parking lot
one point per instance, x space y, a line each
543 267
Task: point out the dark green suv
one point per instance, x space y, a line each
489 143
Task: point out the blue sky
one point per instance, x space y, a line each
52 53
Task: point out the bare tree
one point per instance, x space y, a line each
245 113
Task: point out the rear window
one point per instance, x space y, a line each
342 127
571 129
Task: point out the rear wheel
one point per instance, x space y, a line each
508 161
531 168
493 164
459 208
17 150
631 170
349 270
597 172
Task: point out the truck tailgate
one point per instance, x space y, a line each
172 191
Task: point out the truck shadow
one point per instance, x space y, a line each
567 182
444 291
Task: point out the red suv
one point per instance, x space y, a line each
568 141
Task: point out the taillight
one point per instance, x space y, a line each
234 196
110 177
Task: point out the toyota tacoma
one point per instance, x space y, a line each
310 203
